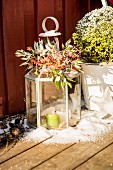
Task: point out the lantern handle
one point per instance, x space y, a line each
55 21
51 33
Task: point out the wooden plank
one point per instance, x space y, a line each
76 155
72 15
85 7
60 15
56 156
44 9
30 22
74 11
89 5
13 149
95 4
33 157
14 38
101 161
3 88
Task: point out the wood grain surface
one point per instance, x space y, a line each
81 156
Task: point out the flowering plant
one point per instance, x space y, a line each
45 60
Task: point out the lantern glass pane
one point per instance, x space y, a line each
74 102
52 101
31 102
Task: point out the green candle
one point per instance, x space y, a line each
52 120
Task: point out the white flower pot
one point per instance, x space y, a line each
97 85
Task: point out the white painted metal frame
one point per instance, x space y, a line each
67 107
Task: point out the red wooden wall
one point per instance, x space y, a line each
20 24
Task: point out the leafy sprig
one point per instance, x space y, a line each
44 59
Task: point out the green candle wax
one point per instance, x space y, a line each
52 120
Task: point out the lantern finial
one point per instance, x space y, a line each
51 33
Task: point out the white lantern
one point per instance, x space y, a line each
50 107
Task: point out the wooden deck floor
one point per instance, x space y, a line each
39 156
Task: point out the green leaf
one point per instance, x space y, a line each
63 84
19 55
35 45
54 78
63 46
57 84
69 84
23 58
67 43
69 79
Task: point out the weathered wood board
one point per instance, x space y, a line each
81 156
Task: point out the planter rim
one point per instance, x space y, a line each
98 64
